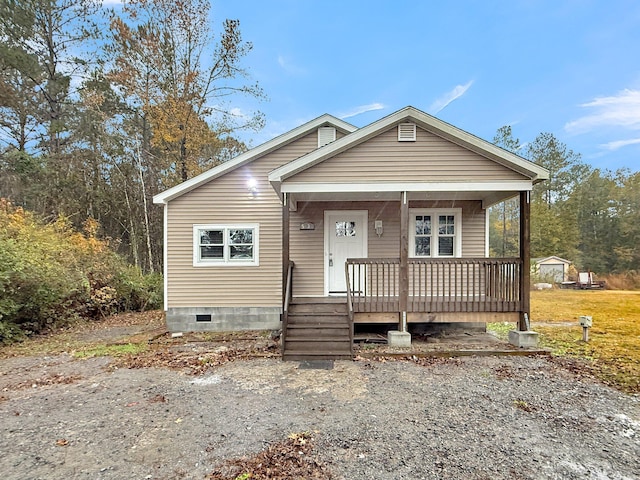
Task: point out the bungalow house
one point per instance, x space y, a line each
330 225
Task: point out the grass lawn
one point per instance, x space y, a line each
613 350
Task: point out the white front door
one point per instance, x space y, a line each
345 237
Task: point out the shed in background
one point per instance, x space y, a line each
551 269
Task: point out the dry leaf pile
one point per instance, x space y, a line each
290 459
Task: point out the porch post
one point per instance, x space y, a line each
404 261
525 256
285 243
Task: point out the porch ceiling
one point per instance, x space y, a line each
488 198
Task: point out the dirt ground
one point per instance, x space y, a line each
189 407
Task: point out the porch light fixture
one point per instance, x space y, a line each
378 226
252 187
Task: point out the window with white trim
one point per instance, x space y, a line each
225 245
435 233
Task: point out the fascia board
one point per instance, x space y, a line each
485 186
251 155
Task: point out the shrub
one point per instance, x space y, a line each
623 281
51 274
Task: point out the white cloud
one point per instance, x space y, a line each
449 97
361 109
620 143
289 67
620 110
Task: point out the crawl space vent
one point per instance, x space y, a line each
407 132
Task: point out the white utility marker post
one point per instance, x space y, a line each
586 322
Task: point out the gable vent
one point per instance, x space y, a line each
407 132
326 135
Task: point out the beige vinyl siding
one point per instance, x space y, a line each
226 200
384 159
307 246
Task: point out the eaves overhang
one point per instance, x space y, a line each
253 154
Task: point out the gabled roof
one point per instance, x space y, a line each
552 257
424 121
253 154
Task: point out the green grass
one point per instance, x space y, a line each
613 350
111 350
500 329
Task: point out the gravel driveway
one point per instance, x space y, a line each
467 418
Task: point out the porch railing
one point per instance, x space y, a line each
435 285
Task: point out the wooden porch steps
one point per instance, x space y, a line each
317 329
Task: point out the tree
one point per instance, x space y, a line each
96 136
504 217
554 230
40 57
175 78
20 74
627 252
565 168
594 206
159 60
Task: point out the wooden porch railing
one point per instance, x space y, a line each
373 284
435 285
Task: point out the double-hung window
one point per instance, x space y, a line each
225 245
435 233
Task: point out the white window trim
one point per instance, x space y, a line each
434 212
225 262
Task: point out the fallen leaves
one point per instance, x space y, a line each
45 380
197 360
286 460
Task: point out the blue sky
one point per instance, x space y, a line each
571 68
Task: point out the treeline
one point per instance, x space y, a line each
582 214
100 109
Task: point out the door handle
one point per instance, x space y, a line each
331 259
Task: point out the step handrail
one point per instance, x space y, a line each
349 305
285 306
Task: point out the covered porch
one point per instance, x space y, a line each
403 289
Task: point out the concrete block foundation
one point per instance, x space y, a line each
524 339
222 319
396 338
